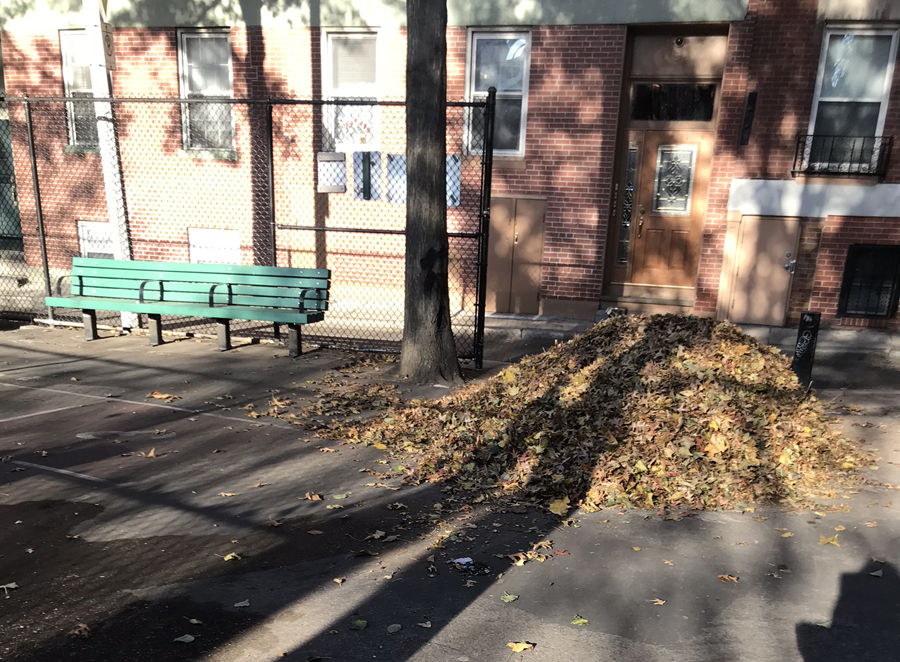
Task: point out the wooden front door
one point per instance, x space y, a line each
669 205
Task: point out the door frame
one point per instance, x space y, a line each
616 277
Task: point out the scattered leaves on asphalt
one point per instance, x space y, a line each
163 396
728 578
579 620
833 540
358 624
520 646
508 597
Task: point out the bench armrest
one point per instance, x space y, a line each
62 278
212 292
301 302
144 284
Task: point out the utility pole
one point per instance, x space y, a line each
102 59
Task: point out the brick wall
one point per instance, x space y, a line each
805 270
838 234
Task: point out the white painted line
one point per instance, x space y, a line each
41 413
64 472
145 404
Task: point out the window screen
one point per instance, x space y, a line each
869 287
82 121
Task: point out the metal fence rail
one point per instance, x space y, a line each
286 182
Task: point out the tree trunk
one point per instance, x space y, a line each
428 352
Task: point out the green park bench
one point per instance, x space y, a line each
222 292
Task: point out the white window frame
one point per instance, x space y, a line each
862 31
368 90
183 87
69 43
96 237
473 36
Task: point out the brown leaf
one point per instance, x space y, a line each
313 496
520 646
228 494
728 578
658 601
261 485
163 396
339 580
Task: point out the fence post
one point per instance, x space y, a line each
487 164
42 239
270 162
805 349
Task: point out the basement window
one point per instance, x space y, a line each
870 282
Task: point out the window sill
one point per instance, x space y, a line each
81 149
509 162
209 154
837 179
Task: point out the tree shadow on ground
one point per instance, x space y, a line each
864 624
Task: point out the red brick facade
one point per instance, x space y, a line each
574 104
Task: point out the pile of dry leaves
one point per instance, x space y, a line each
641 411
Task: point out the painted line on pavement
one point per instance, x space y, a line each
41 413
64 472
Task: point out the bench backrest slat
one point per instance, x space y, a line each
314 300
210 269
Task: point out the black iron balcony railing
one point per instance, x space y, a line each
842 155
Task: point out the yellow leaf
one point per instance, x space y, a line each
231 557
840 528
253 414
833 540
560 506
520 646
640 467
260 485
152 453
228 494
787 534
163 396
658 601
637 549
339 580
381 447
579 620
728 578
669 562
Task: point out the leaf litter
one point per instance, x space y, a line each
639 411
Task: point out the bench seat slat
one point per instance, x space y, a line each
282 315
191 277
210 269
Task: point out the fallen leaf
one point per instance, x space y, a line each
394 629
833 540
313 496
260 485
341 496
426 624
520 646
760 518
871 525
787 534
658 602
323 449
163 396
152 453
243 603
544 544
358 624
508 597
840 528
559 507
184 639
380 446
728 578
637 549
877 573
333 506
228 494
315 532
339 580
194 621
383 485
558 552
81 630
396 506
578 620
275 522
668 562
375 536
8 587
231 557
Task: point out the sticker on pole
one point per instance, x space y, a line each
109 50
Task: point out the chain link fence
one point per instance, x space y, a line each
290 183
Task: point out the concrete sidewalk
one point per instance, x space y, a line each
92 531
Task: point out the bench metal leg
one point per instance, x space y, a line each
276 330
89 317
154 325
223 333
294 340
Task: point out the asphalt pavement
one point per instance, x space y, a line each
118 513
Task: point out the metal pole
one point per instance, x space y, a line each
270 163
37 200
487 164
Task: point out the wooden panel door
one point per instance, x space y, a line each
670 207
528 246
500 251
766 248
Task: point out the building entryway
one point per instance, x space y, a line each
672 96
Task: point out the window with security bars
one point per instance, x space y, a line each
80 118
351 72
204 59
870 282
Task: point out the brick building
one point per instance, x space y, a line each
729 158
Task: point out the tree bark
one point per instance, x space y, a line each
428 351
